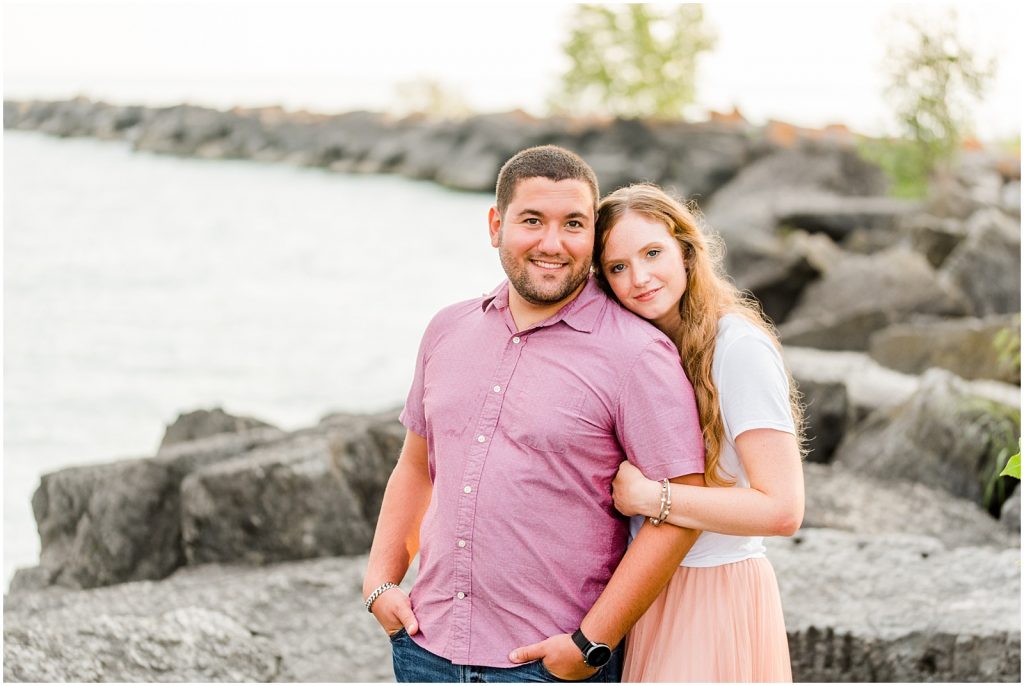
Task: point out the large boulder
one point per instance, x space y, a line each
363 455
865 293
840 498
986 264
898 607
107 524
1009 516
839 216
967 346
943 436
280 502
933 237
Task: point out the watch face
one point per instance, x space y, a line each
599 655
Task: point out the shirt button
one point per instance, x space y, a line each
462 544
467 489
460 595
497 389
515 339
481 438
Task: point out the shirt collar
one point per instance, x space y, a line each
581 314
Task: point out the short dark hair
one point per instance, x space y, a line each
545 161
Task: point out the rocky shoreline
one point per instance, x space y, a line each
235 552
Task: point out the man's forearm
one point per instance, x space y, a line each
645 569
397 537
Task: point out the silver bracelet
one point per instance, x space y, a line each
665 505
377 593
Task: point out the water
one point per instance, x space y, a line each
138 286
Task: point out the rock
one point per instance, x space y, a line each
364 459
828 415
291 622
967 347
188 644
184 458
203 423
106 524
870 386
486 142
838 498
838 216
986 265
1009 515
942 436
836 312
898 607
275 503
1009 199
933 237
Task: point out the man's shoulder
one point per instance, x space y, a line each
628 330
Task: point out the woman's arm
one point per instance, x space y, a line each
772 506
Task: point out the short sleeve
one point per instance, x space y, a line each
753 387
657 423
413 416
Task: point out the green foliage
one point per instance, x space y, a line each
932 79
902 163
1012 467
632 60
1007 343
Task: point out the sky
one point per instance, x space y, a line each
810 64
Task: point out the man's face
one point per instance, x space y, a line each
546 238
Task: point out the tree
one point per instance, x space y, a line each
932 79
632 60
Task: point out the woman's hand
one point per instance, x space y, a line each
634 493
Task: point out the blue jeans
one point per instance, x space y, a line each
415 664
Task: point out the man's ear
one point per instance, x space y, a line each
494 225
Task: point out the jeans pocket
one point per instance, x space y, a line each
398 635
547 672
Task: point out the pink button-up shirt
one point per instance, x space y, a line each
525 431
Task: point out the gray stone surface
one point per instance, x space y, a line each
1009 516
865 293
942 436
282 502
839 216
965 346
986 265
190 426
844 499
898 607
828 415
297 621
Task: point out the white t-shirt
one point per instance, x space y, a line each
753 393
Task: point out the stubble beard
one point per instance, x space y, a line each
539 293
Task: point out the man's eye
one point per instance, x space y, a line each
616 268
653 252
532 221
573 224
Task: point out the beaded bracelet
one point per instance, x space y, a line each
666 504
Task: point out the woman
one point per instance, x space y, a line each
720 617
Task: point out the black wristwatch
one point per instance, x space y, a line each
594 654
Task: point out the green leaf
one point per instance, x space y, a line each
1012 467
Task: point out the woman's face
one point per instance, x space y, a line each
645 268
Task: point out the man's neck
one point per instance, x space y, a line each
525 313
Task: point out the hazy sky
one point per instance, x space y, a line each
807 63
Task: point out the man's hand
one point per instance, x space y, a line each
560 656
394 611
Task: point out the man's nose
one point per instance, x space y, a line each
550 241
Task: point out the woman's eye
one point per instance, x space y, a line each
616 268
653 252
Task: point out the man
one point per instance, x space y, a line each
523 404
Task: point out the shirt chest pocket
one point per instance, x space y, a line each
542 417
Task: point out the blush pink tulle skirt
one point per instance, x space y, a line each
713 624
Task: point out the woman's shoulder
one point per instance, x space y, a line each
733 327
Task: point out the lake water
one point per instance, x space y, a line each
139 286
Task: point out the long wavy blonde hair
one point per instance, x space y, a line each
709 295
